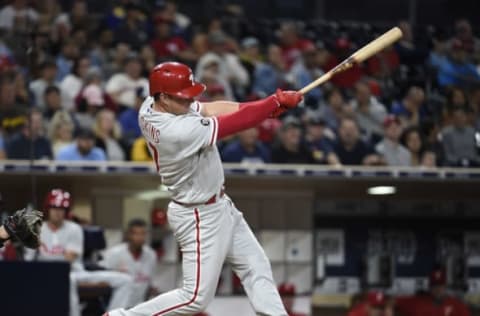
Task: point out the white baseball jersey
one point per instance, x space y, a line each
120 258
184 151
55 242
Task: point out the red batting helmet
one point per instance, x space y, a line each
174 79
376 299
437 277
58 198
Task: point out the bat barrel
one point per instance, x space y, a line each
367 51
378 44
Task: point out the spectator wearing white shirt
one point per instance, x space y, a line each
108 132
459 141
39 85
390 149
91 102
60 131
135 258
368 112
73 83
122 87
182 22
230 68
208 72
17 16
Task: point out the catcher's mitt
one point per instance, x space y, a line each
24 226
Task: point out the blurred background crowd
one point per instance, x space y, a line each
73 75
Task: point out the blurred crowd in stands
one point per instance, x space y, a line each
72 81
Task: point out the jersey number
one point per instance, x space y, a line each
155 155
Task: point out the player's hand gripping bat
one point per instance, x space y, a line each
359 56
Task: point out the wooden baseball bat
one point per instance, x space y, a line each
367 51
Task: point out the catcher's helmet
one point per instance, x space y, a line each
58 198
175 79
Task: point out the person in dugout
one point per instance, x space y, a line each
374 304
62 240
436 302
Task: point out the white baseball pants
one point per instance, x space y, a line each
209 235
120 282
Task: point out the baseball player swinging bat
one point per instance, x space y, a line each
181 134
367 51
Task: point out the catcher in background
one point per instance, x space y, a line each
24 226
62 240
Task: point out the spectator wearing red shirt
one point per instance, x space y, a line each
287 293
348 78
383 64
291 44
268 129
374 305
435 303
165 44
464 33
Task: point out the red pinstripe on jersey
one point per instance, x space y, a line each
197 278
155 155
214 132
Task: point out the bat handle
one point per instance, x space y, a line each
347 63
312 85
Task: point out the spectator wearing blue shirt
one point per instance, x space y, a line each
129 119
65 59
334 108
247 149
438 54
319 145
305 71
20 145
457 71
132 29
83 149
407 48
269 76
2 148
410 109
